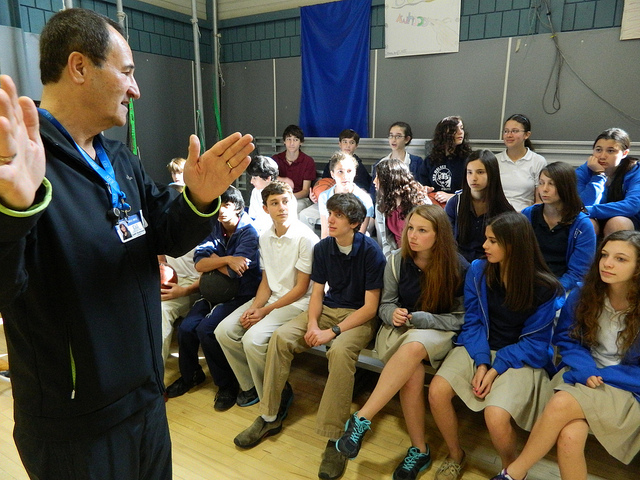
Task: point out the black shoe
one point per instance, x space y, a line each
225 398
412 464
247 397
181 386
351 441
285 401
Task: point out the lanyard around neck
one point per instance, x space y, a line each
104 168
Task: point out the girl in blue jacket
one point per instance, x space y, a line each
565 234
504 344
597 336
609 184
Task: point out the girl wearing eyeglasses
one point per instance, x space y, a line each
609 184
400 136
520 166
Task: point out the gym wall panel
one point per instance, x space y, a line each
247 97
604 62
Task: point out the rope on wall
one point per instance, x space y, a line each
559 63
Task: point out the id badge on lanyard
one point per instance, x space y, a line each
127 226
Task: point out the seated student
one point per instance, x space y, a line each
177 298
421 310
398 193
481 199
176 168
343 170
609 184
565 234
232 250
498 363
520 166
296 167
262 170
352 266
400 135
443 169
286 256
348 142
599 390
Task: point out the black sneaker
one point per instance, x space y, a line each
247 397
351 441
414 463
181 386
285 401
225 398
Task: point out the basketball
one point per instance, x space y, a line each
322 185
167 274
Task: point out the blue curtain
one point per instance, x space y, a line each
335 68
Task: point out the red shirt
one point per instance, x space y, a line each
303 168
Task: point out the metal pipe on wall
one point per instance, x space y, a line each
198 75
68 4
120 14
216 61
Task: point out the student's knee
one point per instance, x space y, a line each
255 340
573 436
414 350
560 403
340 352
498 420
616 224
440 391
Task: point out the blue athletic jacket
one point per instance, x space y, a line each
593 192
580 250
577 357
533 347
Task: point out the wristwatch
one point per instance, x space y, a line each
336 329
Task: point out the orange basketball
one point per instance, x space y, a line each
322 185
167 274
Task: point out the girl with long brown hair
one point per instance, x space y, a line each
599 389
504 347
421 310
565 234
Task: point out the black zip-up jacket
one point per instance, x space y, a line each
81 309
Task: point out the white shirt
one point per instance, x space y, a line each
261 219
611 323
282 257
519 178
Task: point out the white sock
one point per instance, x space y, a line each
269 418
